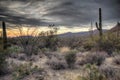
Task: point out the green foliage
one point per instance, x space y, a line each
110 43
14 49
111 72
21 72
24 70
57 64
72 42
3 63
1 43
93 58
70 58
30 45
50 38
116 59
88 45
92 73
107 46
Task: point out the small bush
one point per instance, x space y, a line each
70 58
3 63
21 72
24 70
107 46
110 43
88 45
117 60
57 64
14 49
92 73
110 72
93 58
27 40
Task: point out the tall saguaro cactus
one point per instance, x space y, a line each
4 35
99 26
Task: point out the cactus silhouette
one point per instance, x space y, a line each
99 26
4 35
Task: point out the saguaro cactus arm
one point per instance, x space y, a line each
97 26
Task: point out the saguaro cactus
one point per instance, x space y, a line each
4 35
99 27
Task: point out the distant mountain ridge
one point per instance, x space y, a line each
78 34
116 28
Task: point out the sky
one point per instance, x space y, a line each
70 14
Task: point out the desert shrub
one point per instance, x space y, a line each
111 72
70 58
63 49
50 38
110 43
57 64
29 45
24 70
3 63
21 71
88 45
27 40
92 73
1 43
72 42
14 49
116 59
93 58
107 46
81 49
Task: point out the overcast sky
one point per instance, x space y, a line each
67 13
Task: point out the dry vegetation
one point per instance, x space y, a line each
48 57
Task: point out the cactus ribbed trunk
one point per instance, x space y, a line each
4 35
99 27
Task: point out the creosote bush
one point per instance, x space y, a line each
116 59
70 58
57 64
110 72
27 40
91 72
50 38
24 70
107 46
88 45
93 58
110 43
3 63
14 49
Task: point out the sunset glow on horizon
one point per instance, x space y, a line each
28 30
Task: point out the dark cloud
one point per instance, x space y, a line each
59 12
18 19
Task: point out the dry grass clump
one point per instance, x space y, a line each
64 49
93 58
111 72
3 62
56 64
116 59
91 72
70 58
24 70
